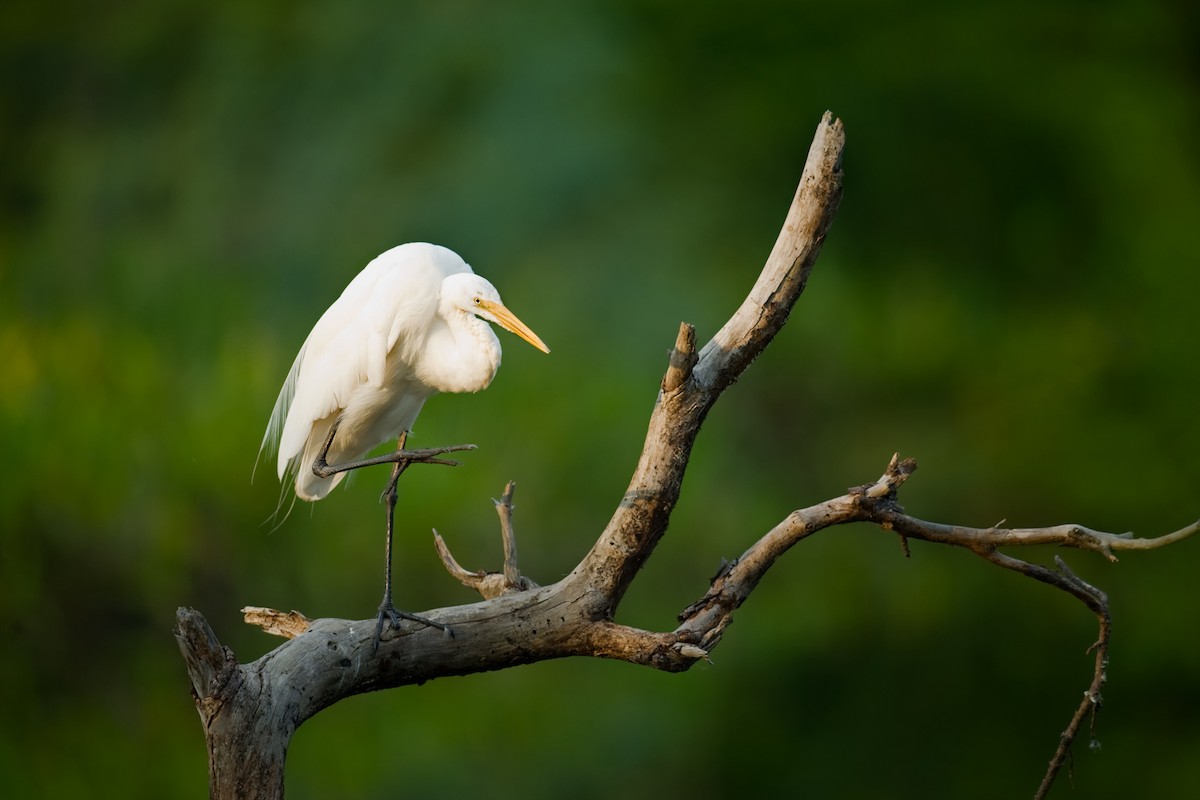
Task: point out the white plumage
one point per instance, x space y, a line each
410 325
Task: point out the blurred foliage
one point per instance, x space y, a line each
1008 295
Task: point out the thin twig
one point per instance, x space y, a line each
504 509
1092 700
491 584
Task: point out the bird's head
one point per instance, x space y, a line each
475 295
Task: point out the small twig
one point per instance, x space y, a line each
1064 579
488 584
504 509
893 478
491 584
1092 698
1127 541
288 624
683 358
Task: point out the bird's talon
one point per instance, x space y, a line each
394 615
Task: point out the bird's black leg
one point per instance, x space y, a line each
399 459
386 609
429 455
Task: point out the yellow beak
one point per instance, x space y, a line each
508 320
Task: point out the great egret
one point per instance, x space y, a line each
413 323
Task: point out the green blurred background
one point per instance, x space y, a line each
1008 295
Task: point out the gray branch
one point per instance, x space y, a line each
250 711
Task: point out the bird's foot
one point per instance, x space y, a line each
389 612
402 458
429 455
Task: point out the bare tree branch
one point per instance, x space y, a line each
690 391
289 625
250 711
491 584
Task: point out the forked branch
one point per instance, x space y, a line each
491 584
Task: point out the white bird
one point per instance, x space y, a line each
410 325
413 323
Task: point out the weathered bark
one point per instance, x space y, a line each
250 711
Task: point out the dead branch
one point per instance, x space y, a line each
491 584
250 711
289 624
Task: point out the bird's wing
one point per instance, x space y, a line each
389 304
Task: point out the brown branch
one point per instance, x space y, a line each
250 711
683 359
642 516
877 503
705 620
1092 700
491 584
488 584
289 624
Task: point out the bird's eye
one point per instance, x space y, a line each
476 301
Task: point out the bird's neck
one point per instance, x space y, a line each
462 356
